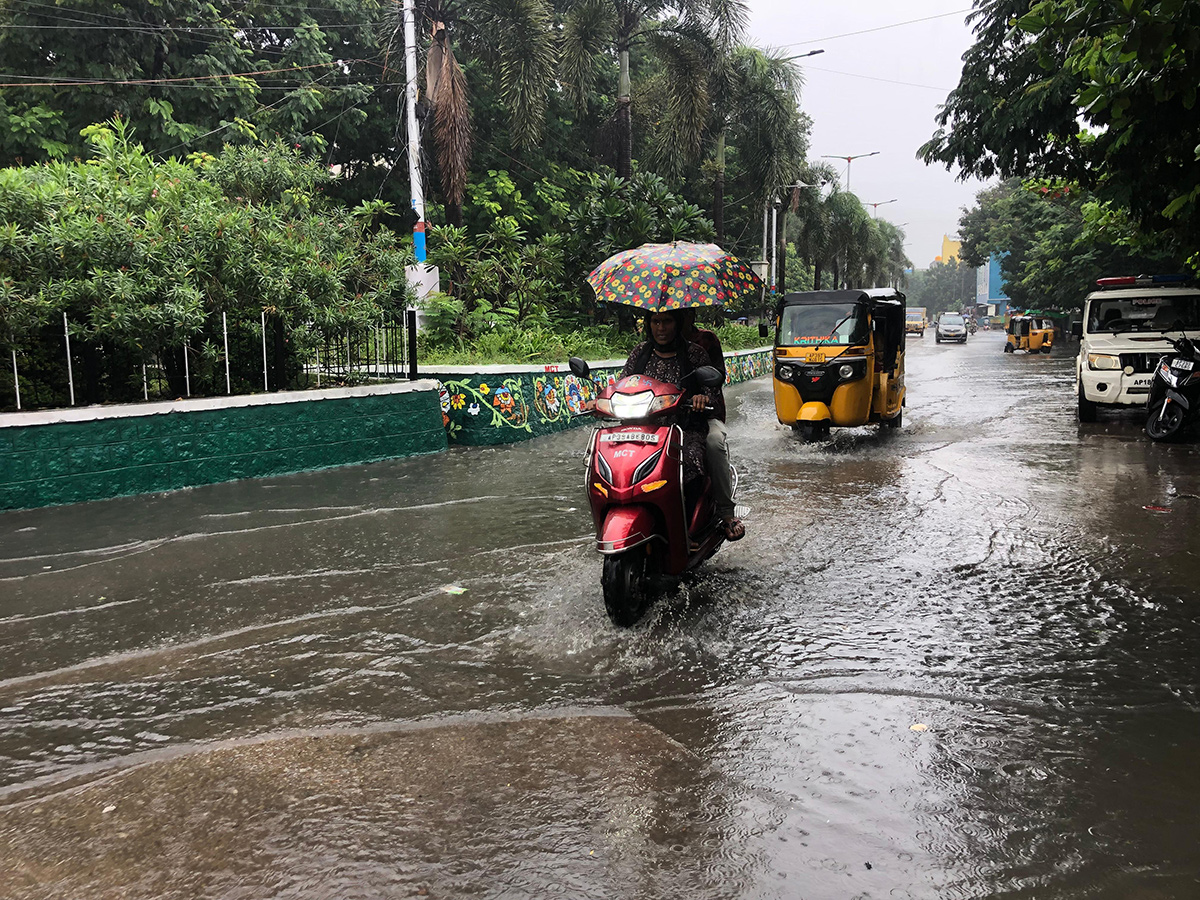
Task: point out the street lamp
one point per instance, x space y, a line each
850 159
875 206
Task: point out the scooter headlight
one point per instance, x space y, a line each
1168 376
632 406
604 407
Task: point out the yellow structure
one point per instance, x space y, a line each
839 360
950 248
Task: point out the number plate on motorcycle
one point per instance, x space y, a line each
642 437
1183 364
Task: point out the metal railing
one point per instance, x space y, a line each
54 369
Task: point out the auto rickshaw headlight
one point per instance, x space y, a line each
784 373
846 371
1103 361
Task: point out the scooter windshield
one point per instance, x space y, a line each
813 324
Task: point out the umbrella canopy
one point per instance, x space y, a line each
681 275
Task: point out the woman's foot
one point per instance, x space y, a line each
734 529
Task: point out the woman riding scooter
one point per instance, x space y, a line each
669 356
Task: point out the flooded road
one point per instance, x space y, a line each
956 660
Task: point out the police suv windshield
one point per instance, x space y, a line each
823 323
1111 315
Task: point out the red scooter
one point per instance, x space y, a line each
635 489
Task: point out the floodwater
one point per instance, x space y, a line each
957 660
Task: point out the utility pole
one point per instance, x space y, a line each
414 128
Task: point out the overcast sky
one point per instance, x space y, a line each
879 90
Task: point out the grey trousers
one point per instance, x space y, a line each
717 457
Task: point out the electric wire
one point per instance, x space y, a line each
927 87
957 12
136 81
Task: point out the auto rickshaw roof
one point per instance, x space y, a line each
886 295
807 298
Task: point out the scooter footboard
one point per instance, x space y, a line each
625 527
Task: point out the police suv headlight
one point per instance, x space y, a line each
1103 362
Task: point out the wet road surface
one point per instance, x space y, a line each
954 660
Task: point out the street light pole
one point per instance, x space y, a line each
875 206
850 159
774 242
414 129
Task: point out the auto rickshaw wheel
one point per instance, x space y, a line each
1008 348
625 581
1045 348
812 431
895 421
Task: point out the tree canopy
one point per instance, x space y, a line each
1129 71
1054 241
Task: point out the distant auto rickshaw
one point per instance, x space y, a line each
839 360
1029 332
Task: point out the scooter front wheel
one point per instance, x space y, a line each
626 584
1164 422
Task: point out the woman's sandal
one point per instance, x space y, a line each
734 529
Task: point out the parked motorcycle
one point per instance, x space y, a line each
1174 392
635 489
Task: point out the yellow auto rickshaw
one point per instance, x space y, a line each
1031 332
839 360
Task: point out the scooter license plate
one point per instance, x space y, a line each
641 437
1184 365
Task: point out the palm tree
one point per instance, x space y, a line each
895 260
592 27
515 37
849 226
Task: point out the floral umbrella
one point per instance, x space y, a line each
681 275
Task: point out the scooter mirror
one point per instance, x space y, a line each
709 377
579 368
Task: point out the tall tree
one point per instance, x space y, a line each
593 27
514 37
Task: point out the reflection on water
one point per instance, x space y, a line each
207 663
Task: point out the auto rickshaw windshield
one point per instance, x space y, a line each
823 323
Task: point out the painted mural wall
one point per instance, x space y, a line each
498 406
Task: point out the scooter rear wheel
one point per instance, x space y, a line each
626 584
1165 422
